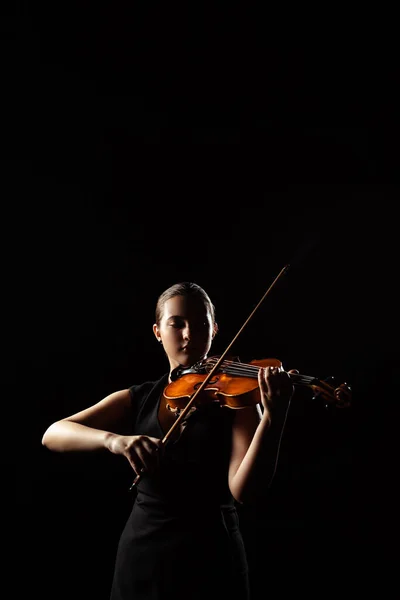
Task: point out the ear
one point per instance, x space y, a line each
215 330
156 332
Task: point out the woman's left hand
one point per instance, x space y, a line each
276 389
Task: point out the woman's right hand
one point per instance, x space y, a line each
142 451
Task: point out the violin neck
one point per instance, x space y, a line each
299 379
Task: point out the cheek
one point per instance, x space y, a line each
171 335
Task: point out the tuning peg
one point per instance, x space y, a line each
329 380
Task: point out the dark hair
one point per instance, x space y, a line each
185 288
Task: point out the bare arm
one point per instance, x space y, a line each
90 429
257 436
103 426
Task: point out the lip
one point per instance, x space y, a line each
188 348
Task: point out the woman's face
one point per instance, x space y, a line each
186 330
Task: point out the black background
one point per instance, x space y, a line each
144 145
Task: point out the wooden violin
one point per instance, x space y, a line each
235 384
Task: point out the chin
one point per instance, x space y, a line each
188 360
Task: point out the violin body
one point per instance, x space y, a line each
234 392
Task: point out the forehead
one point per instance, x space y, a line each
185 306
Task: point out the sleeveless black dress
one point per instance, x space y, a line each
182 539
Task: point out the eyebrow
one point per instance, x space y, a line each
194 318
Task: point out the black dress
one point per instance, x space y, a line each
182 539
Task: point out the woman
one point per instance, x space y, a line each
182 539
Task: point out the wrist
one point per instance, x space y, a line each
110 442
266 418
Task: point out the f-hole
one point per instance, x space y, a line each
211 381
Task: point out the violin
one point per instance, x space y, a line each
235 384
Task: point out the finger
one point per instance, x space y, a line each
268 376
136 465
151 454
138 456
263 379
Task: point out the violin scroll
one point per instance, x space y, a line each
338 395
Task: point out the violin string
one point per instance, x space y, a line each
246 370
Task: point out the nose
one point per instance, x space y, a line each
186 333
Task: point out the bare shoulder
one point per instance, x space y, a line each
120 396
110 411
